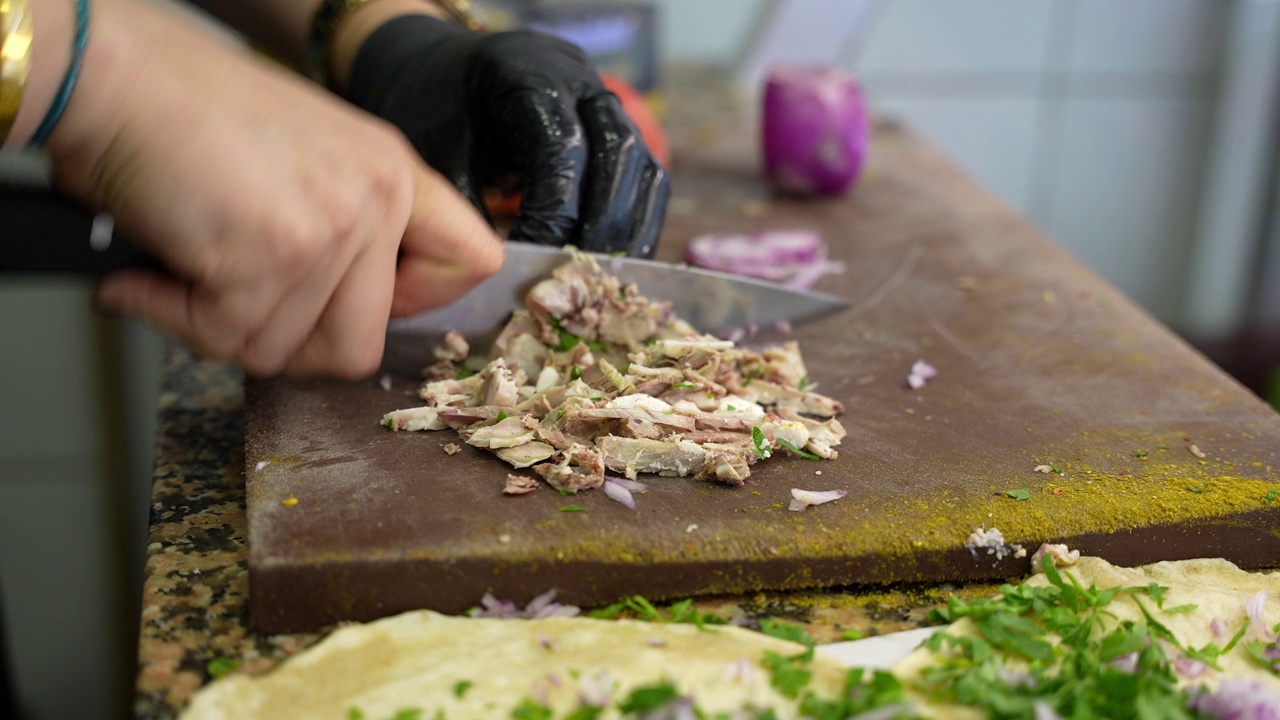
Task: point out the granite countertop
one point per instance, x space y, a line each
197 581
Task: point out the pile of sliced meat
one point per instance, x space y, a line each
593 378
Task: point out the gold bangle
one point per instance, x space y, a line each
331 12
15 60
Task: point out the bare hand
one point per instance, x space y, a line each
280 210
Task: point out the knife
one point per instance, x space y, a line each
46 233
710 301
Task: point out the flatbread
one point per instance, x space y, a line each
1216 587
415 660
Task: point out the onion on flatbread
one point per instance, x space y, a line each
483 668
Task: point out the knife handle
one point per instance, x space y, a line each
42 232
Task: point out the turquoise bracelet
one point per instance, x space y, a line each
60 100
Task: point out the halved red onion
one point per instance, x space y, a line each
619 493
815 130
794 257
801 499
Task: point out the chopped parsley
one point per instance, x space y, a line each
567 340
804 383
797 451
790 674
640 607
787 631
1271 496
575 372
1196 490
355 713
683 385
530 710
463 373
1020 494
649 697
502 415
218 667
852 635
1054 467
389 423
461 687
760 444
731 408
407 714
572 508
1140 454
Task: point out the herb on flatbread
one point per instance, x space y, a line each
797 451
650 697
787 631
218 667
530 710
461 687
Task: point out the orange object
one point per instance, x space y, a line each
636 107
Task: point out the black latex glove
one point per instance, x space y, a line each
518 111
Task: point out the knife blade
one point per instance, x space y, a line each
710 301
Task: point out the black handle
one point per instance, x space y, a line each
43 232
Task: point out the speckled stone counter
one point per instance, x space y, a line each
197 580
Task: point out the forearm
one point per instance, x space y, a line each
283 26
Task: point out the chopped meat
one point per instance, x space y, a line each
453 348
593 375
419 418
526 454
508 432
580 468
519 485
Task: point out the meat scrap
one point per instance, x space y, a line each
591 376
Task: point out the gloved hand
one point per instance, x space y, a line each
517 111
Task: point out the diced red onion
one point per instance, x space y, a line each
553 679
782 327
815 130
801 499
632 485
619 493
1126 663
596 689
384 382
741 671
655 641
546 641
1189 667
540 607
1253 607
1237 698
921 373
1218 627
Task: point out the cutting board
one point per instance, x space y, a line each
1153 452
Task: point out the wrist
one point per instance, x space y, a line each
357 24
52 30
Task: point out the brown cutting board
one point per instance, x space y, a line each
1040 363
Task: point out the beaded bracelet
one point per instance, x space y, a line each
60 100
15 60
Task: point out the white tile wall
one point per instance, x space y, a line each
970 37
1128 178
707 30
1179 37
994 138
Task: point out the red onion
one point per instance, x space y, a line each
795 257
632 485
815 130
619 493
921 373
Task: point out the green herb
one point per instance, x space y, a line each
680 612
584 712
618 253
1176 609
1194 489
463 373
852 635
461 687
759 444
752 374
355 713
731 408
562 491
218 667
787 631
1271 496
407 714
1019 494
575 372
439 715
683 385
804 383
797 451
502 415
789 675
573 508
1258 650
609 612
649 697
1054 467
530 710
1139 454
567 340
859 695
389 423
685 612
